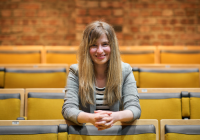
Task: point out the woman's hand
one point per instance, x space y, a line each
104 119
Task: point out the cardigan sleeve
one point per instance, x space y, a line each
70 109
130 97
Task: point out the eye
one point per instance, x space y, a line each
93 45
105 44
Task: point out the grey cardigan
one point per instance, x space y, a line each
130 99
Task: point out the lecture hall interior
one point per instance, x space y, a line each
39 41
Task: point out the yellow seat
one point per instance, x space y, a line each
35 78
180 57
169 78
137 57
20 57
194 105
34 132
61 57
44 106
182 132
2 77
116 132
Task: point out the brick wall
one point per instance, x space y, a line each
137 22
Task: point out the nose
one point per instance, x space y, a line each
99 49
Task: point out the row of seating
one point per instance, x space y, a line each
162 77
55 76
33 76
131 55
59 130
138 130
40 104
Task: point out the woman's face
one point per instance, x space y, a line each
100 51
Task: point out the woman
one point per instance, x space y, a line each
100 85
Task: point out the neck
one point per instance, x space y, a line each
100 71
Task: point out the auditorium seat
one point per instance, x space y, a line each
21 55
116 132
136 75
31 131
2 73
180 56
35 77
11 104
61 55
169 78
44 105
180 129
194 105
138 57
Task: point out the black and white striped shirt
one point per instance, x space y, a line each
101 102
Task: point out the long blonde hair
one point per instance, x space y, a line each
86 69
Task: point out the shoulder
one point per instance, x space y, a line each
74 69
126 68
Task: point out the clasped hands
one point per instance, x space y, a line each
103 119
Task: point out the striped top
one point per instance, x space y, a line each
101 102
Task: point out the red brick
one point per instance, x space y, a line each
99 12
81 3
156 13
191 29
179 12
29 6
11 6
156 28
6 22
92 4
81 12
27 29
144 29
127 37
156 43
104 4
145 13
119 35
164 36
53 37
17 29
162 21
167 13
149 21
6 13
135 13
116 20
118 12
135 29
42 13
145 43
145 37
168 43
173 21
167 29
179 29
80 27
7 38
5 29
30 13
18 13
198 28
70 37
186 5
190 13
116 4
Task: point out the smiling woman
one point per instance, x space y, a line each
100 89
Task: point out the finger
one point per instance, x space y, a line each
101 116
107 119
101 123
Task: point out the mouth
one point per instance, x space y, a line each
100 56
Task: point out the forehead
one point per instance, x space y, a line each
102 38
